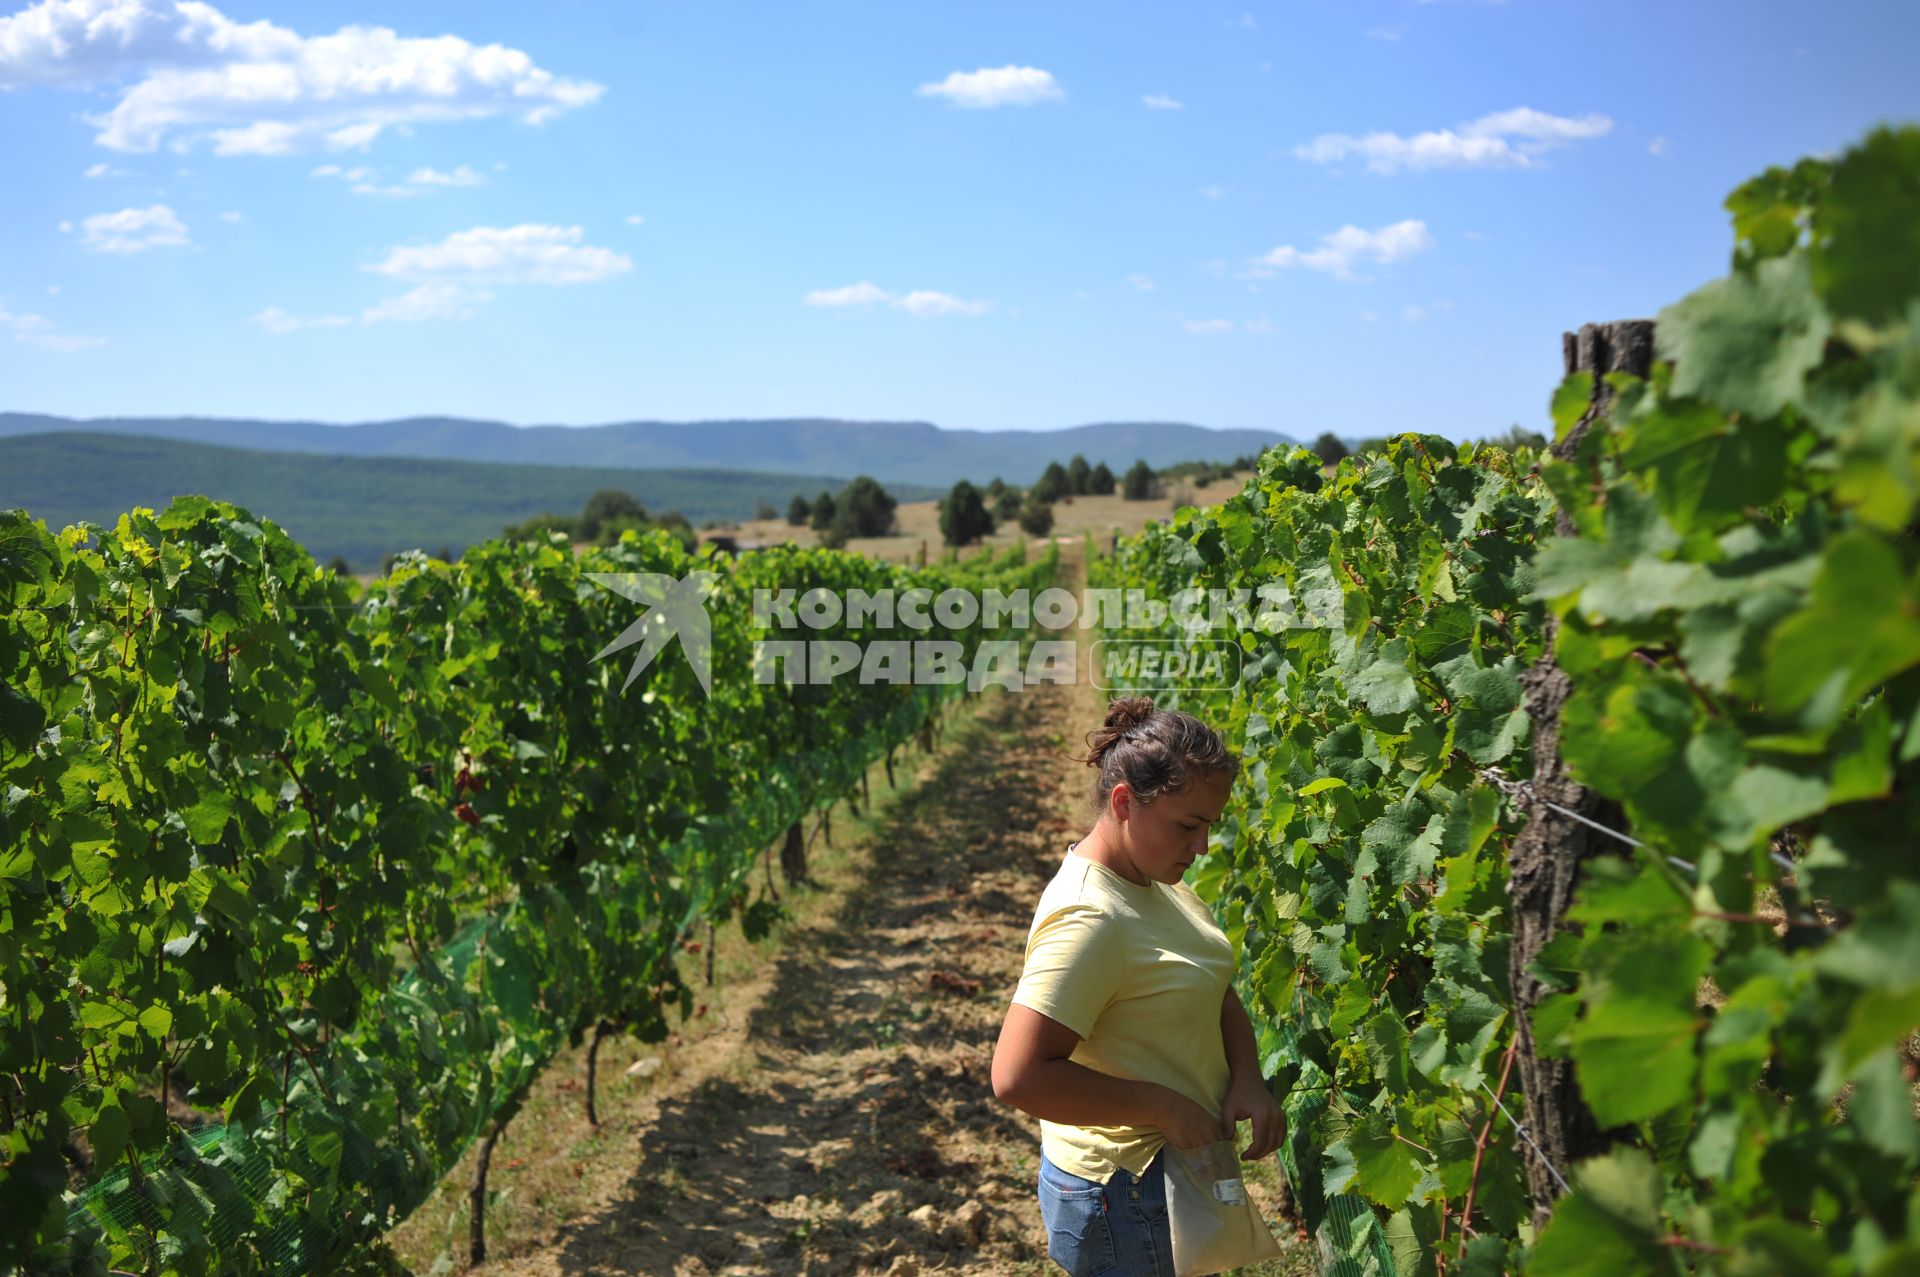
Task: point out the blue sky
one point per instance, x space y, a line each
1358 215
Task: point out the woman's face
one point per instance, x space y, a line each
1167 835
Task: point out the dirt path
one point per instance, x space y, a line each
830 1108
865 1127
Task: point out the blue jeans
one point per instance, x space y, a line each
1115 1229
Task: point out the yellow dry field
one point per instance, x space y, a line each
1073 518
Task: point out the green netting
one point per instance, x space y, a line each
1348 1235
293 1189
1350 1238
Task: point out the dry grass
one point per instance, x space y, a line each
920 522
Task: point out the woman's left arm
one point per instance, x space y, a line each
1247 1094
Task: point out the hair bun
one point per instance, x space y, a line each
1128 713
1123 715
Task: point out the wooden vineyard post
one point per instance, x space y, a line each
593 1064
477 1200
793 855
1547 855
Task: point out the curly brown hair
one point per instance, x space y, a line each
1156 751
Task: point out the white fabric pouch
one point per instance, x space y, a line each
1215 1225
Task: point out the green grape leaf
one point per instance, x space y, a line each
1609 1226
1746 342
21 717
1387 684
1881 1108
109 1133
1860 628
157 1021
1570 403
1614 889
207 819
1386 1168
1866 256
1634 1058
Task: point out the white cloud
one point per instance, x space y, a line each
233 215
1245 21
455 278
462 176
1369 316
1390 34
1504 139
428 301
1141 283
922 303
636 219
1259 326
37 331
278 321
1414 313
191 73
995 86
1161 102
1214 192
1342 249
860 294
364 179
526 254
104 170
131 230
1660 148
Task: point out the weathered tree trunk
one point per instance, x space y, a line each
709 953
889 768
1548 853
793 856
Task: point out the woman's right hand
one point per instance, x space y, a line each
1186 1124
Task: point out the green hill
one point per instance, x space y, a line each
894 452
361 508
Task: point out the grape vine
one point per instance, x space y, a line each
342 873
1739 617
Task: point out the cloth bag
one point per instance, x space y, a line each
1215 1226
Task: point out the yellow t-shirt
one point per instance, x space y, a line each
1140 972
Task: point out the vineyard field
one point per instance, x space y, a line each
1671 665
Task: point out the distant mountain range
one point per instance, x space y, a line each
362 508
892 451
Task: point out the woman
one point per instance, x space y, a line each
1125 1033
